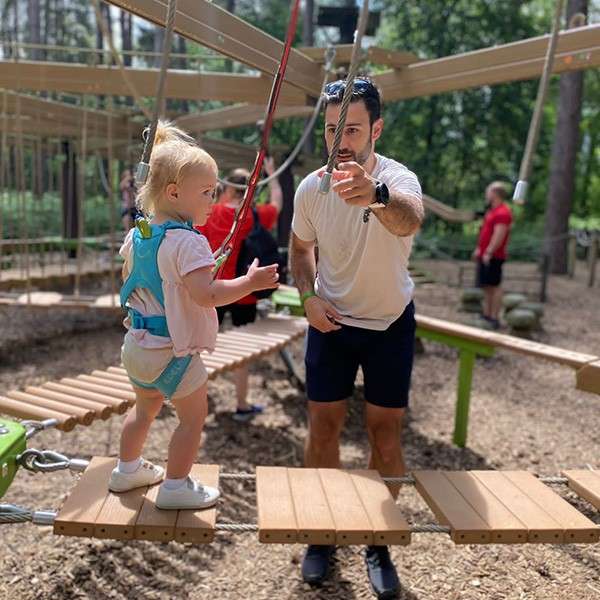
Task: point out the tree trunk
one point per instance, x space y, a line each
182 63
564 154
35 29
229 7
126 36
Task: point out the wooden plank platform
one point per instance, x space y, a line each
585 483
91 510
502 507
82 399
326 506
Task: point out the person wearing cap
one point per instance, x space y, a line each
358 301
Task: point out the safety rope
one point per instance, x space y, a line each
48 460
348 91
329 62
10 514
34 427
520 193
224 251
144 165
107 36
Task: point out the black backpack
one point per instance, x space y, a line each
258 244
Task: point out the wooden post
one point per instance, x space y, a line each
465 378
69 191
572 255
545 266
593 259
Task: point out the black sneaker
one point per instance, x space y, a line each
316 563
382 572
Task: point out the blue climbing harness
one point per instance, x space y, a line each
145 275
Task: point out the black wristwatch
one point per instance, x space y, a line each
382 196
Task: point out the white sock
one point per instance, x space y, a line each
129 466
173 484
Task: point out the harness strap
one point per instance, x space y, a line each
155 324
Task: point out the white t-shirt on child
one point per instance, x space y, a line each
193 328
362 268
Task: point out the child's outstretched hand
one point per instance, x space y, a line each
263 278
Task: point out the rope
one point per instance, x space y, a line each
111 207
520 192
236 527
107 37
34 427
329 62
9 513
429 528
348 91
226 247
144 166
79 201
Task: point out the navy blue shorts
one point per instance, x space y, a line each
490 274
386 357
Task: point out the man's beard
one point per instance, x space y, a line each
357 157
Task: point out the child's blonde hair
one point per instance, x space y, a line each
174 155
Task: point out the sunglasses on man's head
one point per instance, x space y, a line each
361 87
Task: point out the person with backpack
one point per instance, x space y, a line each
253 240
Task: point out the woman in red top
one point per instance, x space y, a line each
216 229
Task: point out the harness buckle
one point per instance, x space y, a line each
137 321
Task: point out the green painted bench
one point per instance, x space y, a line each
472 343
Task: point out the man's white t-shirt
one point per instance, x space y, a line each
363 268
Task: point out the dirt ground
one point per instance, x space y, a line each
525 414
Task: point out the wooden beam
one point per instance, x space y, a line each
234 116
576 49
60 116
205 23
374 54
103 79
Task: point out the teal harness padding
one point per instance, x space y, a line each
145 275
168 381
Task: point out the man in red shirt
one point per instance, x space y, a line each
216 229
490 253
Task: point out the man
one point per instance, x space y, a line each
216 229
359 306
490 253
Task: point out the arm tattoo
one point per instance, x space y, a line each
403 215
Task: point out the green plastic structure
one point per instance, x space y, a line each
12 443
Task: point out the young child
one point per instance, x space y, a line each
171 297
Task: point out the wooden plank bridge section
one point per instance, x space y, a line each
82 399
92 511
342 507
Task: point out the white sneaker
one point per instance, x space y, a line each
146 474
189 495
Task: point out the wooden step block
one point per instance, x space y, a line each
198 526
78 513
504 526
542 528
91 510
451 508
326 506
585 483
511 506
576 527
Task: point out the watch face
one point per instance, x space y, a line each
382 194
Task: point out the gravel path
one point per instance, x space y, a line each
525 414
